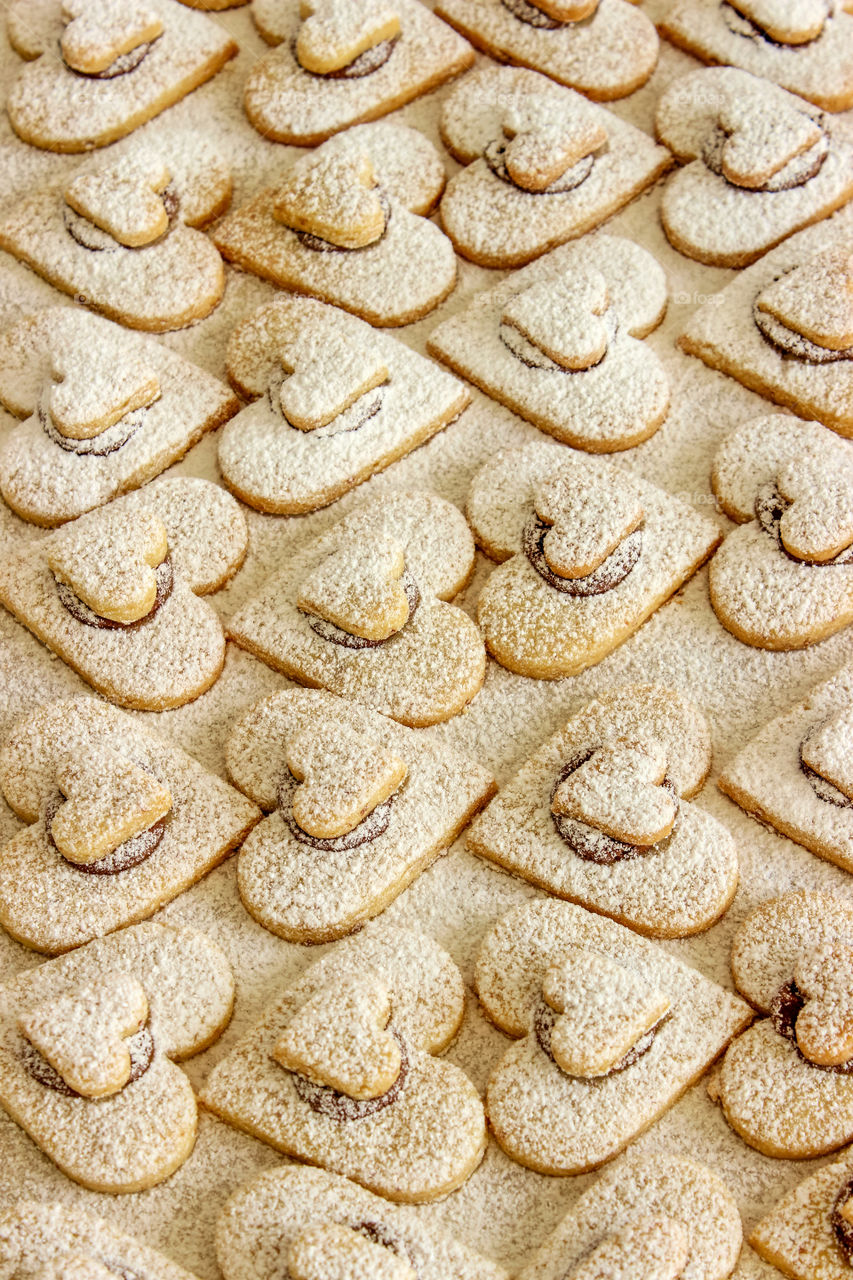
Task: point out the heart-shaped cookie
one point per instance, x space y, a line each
83 1033
588 521
100 31
828 750
91 390
335 32
327 373
359 588
124 197
341 780
786 21
109 563
335 1251
764 134
332 194
603 1007
656 1248
561 315
108 799
818 525
340 1038
617 791
541 148
824 1026
815 299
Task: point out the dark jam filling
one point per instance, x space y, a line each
790 343
740 25
609 574
335 635
370 829
784 1010
96 240
841 1228
319 245
101 445
390 1239
495 157
544 1018
823 789
340 1106
770 506
359 412
532 16
592 845
364 65
82 613
139 1046
123 65
131 853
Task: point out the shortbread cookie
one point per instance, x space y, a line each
778 325
52 1240
406 555
334 402
557 978
544 165
120 822
808 1234
587 845
420 1138
535 620
796 772
140 1134
343 225
358 805
175 651
759 163
338 62
324 1226
97 70
606 51
770 39
558 343
105 411
783 580
785 1086
657 1216
96 234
